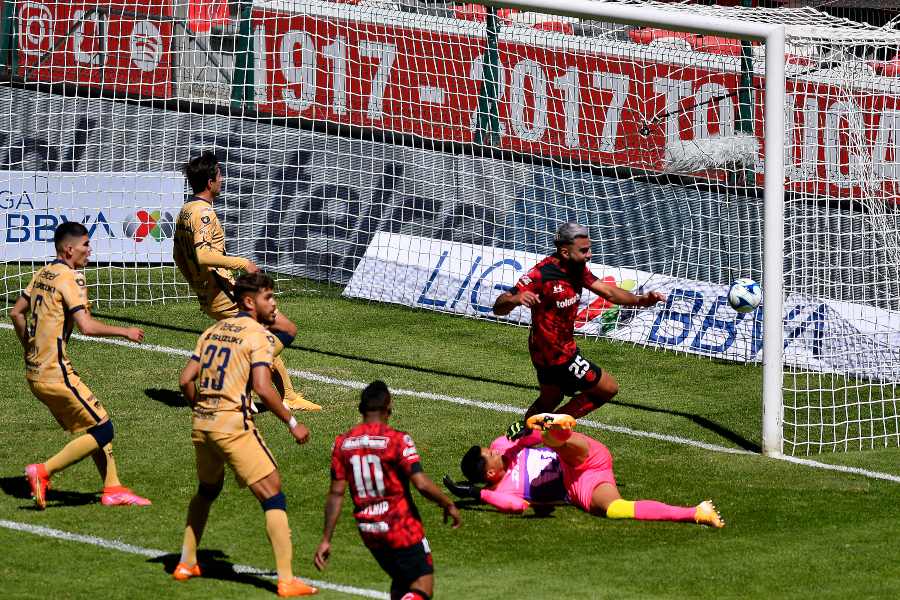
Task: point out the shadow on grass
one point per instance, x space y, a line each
18 487
214 564
170 398
698 420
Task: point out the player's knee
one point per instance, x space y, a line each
103 433
210 491
414 594
276 502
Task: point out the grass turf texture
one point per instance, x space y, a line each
792 531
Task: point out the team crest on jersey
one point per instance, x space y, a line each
205 219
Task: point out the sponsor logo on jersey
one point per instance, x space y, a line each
370 442
568 301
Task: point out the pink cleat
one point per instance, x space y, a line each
39 482
122 496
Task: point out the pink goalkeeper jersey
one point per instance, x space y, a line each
533 474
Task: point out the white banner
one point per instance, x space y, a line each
130 216
820 335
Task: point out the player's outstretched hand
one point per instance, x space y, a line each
451 512
529 299
134 334
300 433
323 552
651 298
516 430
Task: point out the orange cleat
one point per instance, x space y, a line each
183 572
706 514
295 587
39 482
122 496
545 421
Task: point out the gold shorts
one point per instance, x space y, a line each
219 306
246 452
71 402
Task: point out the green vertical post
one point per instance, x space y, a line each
242 93
744 122
487 131
9 55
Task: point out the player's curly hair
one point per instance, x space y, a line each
200 170
473 464
250 284
374 398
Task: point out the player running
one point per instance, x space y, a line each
379 462
200 256
552 290
230 358
57 299
570 468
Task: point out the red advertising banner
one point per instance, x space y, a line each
123 45
560 101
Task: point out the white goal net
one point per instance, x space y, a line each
423 153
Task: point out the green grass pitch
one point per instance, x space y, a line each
792 530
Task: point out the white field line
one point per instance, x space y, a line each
506 408
47 532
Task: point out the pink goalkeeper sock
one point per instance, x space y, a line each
651 510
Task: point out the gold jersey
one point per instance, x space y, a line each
227 353
55 294
200 250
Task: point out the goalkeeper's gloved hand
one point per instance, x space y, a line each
462 490
517 430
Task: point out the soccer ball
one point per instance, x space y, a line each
744 295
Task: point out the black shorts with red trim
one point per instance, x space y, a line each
573 376
405 565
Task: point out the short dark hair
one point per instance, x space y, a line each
66 231
249 284
200 170
567 233
473 464
375 397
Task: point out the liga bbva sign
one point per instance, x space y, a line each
130 217
821 335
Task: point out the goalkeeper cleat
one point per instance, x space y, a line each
545 421
706 514
516 430
295 587
122 496
183 572
298 402
39 482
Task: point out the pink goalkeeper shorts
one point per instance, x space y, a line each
583 479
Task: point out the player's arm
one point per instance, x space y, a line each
187 380
88 325
208 257
504 502
617 295
427 488
19 317
205 225
333 503
261 377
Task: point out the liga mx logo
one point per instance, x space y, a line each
143 224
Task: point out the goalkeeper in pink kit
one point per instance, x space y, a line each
554 464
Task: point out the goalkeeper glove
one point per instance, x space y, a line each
462 490
517 430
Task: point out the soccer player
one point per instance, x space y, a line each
200 256
57 299
552 290
379 463
553 464
230 358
